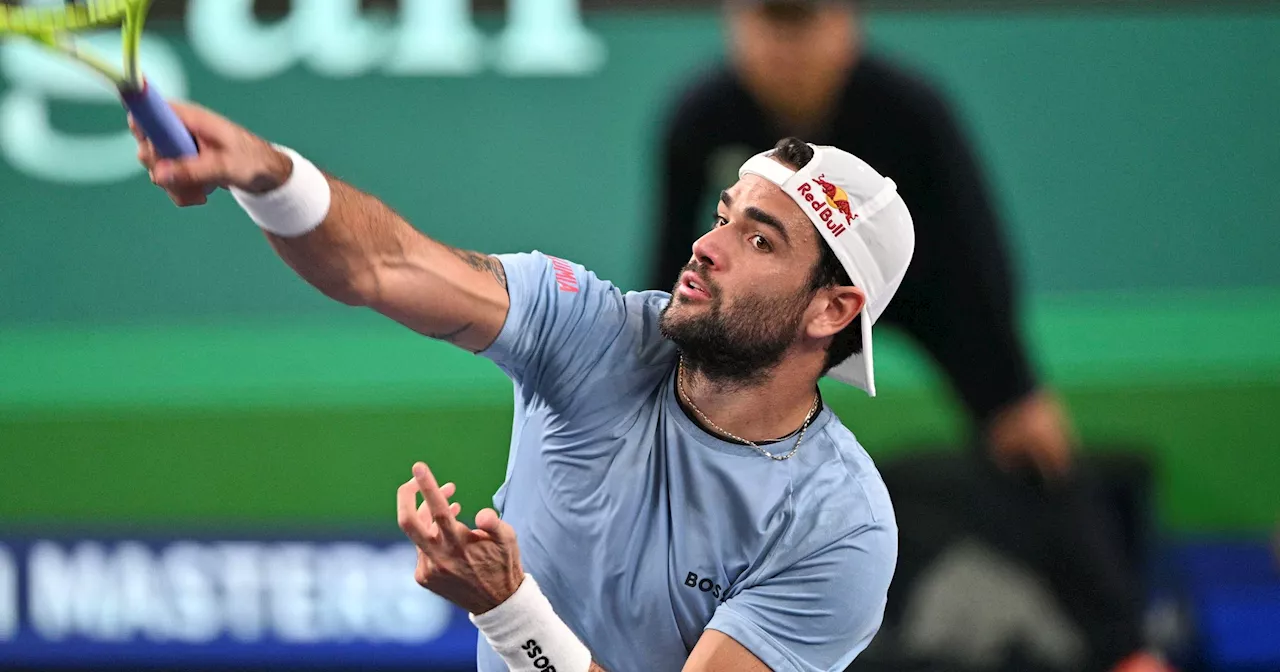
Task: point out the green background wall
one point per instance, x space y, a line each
163 367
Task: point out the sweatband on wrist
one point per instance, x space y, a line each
296 207
525 631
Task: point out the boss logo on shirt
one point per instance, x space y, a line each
540 661
705 585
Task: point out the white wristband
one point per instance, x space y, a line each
296 207
526 632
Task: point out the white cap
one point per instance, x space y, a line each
861 216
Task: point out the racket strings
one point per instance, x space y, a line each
53 24
51 16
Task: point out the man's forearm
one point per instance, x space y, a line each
346 243
365 254
341 256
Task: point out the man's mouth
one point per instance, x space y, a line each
693 287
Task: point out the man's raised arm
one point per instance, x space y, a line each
344 242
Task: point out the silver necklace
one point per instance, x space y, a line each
804 427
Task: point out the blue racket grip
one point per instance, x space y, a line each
158 121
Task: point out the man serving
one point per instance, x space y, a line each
681 496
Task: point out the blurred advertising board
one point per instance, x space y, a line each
126 602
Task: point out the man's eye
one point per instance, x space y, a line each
719 221
760 243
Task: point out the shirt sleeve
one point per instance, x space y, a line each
563 324
819 613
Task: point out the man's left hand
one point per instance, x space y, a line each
474 569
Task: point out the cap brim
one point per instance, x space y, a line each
859 369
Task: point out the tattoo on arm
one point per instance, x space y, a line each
482 262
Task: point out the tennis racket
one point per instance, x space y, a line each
54 23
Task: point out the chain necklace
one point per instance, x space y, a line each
804 427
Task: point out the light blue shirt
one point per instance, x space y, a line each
644 530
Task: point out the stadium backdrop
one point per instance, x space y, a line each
162 374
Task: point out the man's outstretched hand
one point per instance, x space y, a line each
230 156
474 569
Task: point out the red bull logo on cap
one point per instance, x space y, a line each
834 199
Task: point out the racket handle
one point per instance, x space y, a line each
159 123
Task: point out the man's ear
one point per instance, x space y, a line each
833 309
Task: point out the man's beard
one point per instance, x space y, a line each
738 346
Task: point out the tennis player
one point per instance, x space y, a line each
681 496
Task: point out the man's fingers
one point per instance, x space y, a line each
136 130
433 530
432 533
488 522
183 196
204 124
407 512
422 573
435 518
201 169
188 197
434 499
448 490
147 157
146 151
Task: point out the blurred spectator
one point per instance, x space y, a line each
798 68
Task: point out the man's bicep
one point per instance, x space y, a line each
457 296
718 652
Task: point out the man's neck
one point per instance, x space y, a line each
773 407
